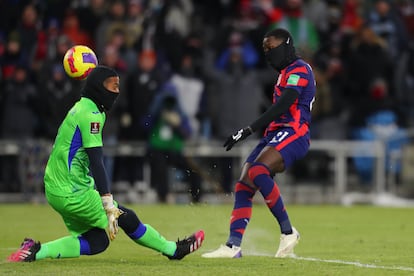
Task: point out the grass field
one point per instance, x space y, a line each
361 240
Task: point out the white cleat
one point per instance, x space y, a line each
224 252
287 244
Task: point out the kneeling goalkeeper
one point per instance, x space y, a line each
85 202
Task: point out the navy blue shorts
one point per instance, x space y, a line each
285 140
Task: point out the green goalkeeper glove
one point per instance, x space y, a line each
113 213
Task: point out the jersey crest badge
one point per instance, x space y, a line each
95 126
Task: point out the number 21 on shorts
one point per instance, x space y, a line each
280 135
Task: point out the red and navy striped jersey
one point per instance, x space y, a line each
298 76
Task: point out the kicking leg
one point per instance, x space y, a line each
260 175
240 217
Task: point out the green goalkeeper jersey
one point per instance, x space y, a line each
67 170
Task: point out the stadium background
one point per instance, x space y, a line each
210 52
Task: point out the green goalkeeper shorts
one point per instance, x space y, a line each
80 212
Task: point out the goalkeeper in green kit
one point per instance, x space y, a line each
77 186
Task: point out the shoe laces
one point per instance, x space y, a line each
26 244
185 242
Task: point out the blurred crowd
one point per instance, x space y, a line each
193 70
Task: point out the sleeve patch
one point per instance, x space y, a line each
95 127
293 79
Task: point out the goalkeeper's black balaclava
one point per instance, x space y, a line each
95 90
284 54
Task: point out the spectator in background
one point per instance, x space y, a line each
28 30
321 14
114 17
91 15
19 118
378 118
53 34
57 50
368 60
383 20
329 116
113 56
238 40
72 29
190 89
404 73
247 16
143 85
378 99
351 19
234 97
18 122
117 38
406 11
271 12
50 75
194 46
10 12
13 56
113 124
231 94
2 52
174 26
246 23
302 29
135 21
57 94
169 128
333 22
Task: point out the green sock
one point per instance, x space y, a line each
152 239
66 247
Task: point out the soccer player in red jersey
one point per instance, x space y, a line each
285 140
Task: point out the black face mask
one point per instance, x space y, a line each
108 99
94 88
281 56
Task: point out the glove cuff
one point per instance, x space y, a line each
249 129
107 201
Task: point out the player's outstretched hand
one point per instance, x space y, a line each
113 213
236 137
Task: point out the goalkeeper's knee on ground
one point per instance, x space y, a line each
129 220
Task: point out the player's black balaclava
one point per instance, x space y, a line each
284 54
94 88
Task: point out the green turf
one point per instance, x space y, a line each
335 241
